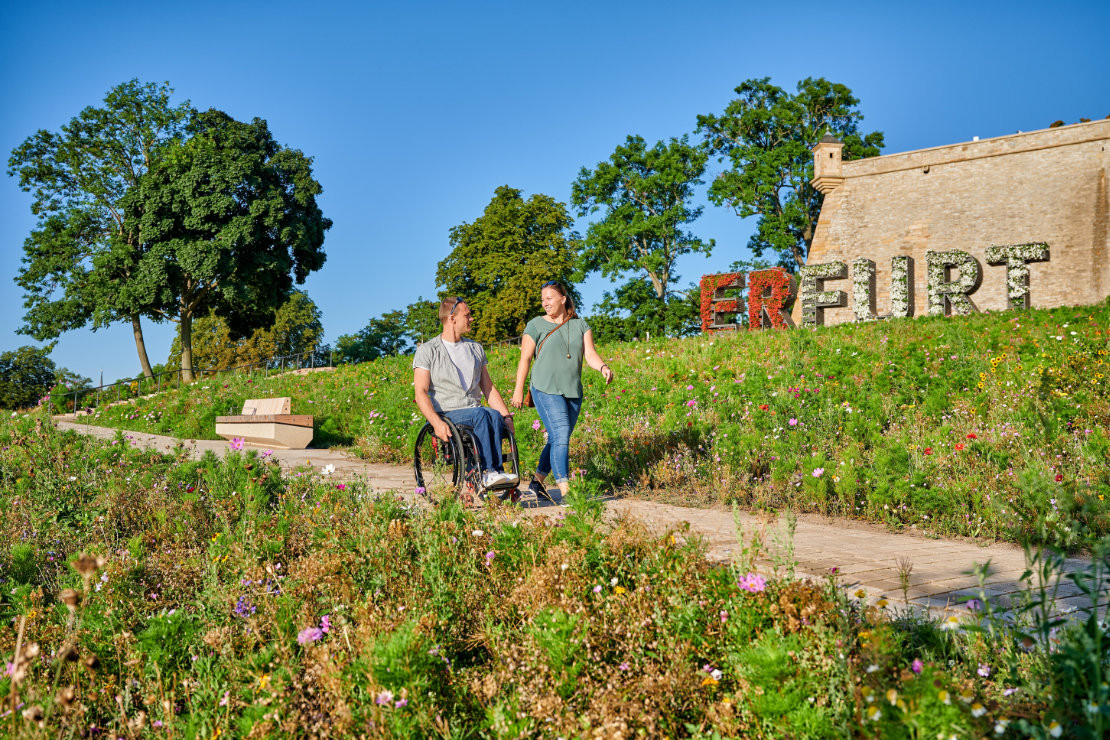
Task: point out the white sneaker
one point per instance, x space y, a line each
495 479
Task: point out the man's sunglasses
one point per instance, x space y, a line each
457 302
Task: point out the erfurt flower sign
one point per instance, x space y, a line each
951 277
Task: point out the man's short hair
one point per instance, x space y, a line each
447 307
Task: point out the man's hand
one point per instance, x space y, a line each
509 423
439 426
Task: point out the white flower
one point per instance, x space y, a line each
1055 729
612 581
328 469
874 714
716 674
1000 726
951 623
978 710
477 533
872 668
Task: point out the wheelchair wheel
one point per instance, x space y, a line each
439 465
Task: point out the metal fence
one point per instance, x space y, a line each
89 398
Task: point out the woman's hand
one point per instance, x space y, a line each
518 399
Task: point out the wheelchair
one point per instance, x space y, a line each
453 468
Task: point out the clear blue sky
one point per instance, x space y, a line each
415 112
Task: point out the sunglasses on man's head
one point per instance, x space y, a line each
457 302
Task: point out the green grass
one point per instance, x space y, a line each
990 426
232 600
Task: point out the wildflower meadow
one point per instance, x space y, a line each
150 595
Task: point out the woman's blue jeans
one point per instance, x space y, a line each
559 414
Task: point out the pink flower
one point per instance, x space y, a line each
341 486
818 472
793 422
917 665
419 490
236 443
691 402
689 387
325 623
309 634
752 582
984 670
536 425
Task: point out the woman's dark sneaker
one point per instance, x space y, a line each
541 493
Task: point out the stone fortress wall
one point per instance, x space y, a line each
1041 186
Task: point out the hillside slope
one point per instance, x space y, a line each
993 425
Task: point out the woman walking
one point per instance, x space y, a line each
559 341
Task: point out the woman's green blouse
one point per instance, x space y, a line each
554 372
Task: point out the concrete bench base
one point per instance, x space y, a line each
280 431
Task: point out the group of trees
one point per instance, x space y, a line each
641 202
149 210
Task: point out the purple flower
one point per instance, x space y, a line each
974 604
236 443
984 670
752 582
400 703
624 666
309 634
793 422
536 425
243 608
489 556
386 697
325 623
917 665
419 490
689 387
597 589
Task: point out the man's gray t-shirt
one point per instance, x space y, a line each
451 364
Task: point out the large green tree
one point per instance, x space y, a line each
79 264
296 331
766 135
229 221
645 198
26 375
500 261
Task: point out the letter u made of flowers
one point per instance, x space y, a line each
946 294
901 288
814 299
1017 258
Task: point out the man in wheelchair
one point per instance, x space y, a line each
451 376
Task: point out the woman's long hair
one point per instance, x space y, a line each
558 287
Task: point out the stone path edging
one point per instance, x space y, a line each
865 557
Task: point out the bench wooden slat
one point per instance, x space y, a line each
300 420
267 406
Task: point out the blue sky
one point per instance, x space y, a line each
415 112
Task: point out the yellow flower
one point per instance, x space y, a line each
860 593
944 696
263 680
709 681
874 714
892 696
881 603
620 590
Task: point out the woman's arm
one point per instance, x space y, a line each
593 359
527 348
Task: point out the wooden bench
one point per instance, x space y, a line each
266 422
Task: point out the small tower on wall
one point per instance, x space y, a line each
827 172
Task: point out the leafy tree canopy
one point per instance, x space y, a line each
26 375
644 195
296 330
766 136
500 261
230 222
79 264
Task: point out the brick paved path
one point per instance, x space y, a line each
866 556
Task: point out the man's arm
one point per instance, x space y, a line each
493 396
422 381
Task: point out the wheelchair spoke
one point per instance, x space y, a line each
436 465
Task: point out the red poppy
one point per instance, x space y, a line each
1059 477
928 450
972 435
959 446
763 407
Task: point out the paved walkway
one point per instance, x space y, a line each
865 556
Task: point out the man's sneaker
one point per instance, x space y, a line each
540 492
497 479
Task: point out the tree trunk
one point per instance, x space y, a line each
186 345
140 346
658 285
